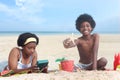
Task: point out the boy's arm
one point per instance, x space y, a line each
68 43
95 50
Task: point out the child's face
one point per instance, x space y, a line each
85 28
29 48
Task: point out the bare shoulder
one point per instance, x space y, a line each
95 35
15 51
78 41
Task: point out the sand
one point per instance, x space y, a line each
51 48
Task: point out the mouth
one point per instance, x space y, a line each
86 32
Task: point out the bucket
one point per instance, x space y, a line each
67 65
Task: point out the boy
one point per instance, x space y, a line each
87 44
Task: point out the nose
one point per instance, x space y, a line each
32 50
85 27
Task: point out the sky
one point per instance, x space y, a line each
58 15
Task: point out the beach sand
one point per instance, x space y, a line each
50 47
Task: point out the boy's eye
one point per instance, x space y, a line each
87 26
82 26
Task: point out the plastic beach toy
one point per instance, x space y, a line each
42 64
116 63
118 67
66 65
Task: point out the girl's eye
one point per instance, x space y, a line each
31 48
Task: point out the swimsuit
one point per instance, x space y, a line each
82 66
21 65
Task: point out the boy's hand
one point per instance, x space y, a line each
68 43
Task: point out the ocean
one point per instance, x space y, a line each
7 33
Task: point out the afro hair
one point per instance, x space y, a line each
24 36
82 18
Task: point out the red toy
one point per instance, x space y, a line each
116 60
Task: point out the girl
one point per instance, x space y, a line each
24 58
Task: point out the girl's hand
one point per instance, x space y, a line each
34 69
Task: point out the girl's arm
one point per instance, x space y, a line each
95 50
13 59
26 70
34 61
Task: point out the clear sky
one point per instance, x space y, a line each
57 15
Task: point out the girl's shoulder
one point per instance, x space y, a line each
16 49
14 53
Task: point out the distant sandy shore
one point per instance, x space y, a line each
51 48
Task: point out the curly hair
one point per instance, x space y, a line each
24 36
82 18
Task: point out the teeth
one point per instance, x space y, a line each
85 31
